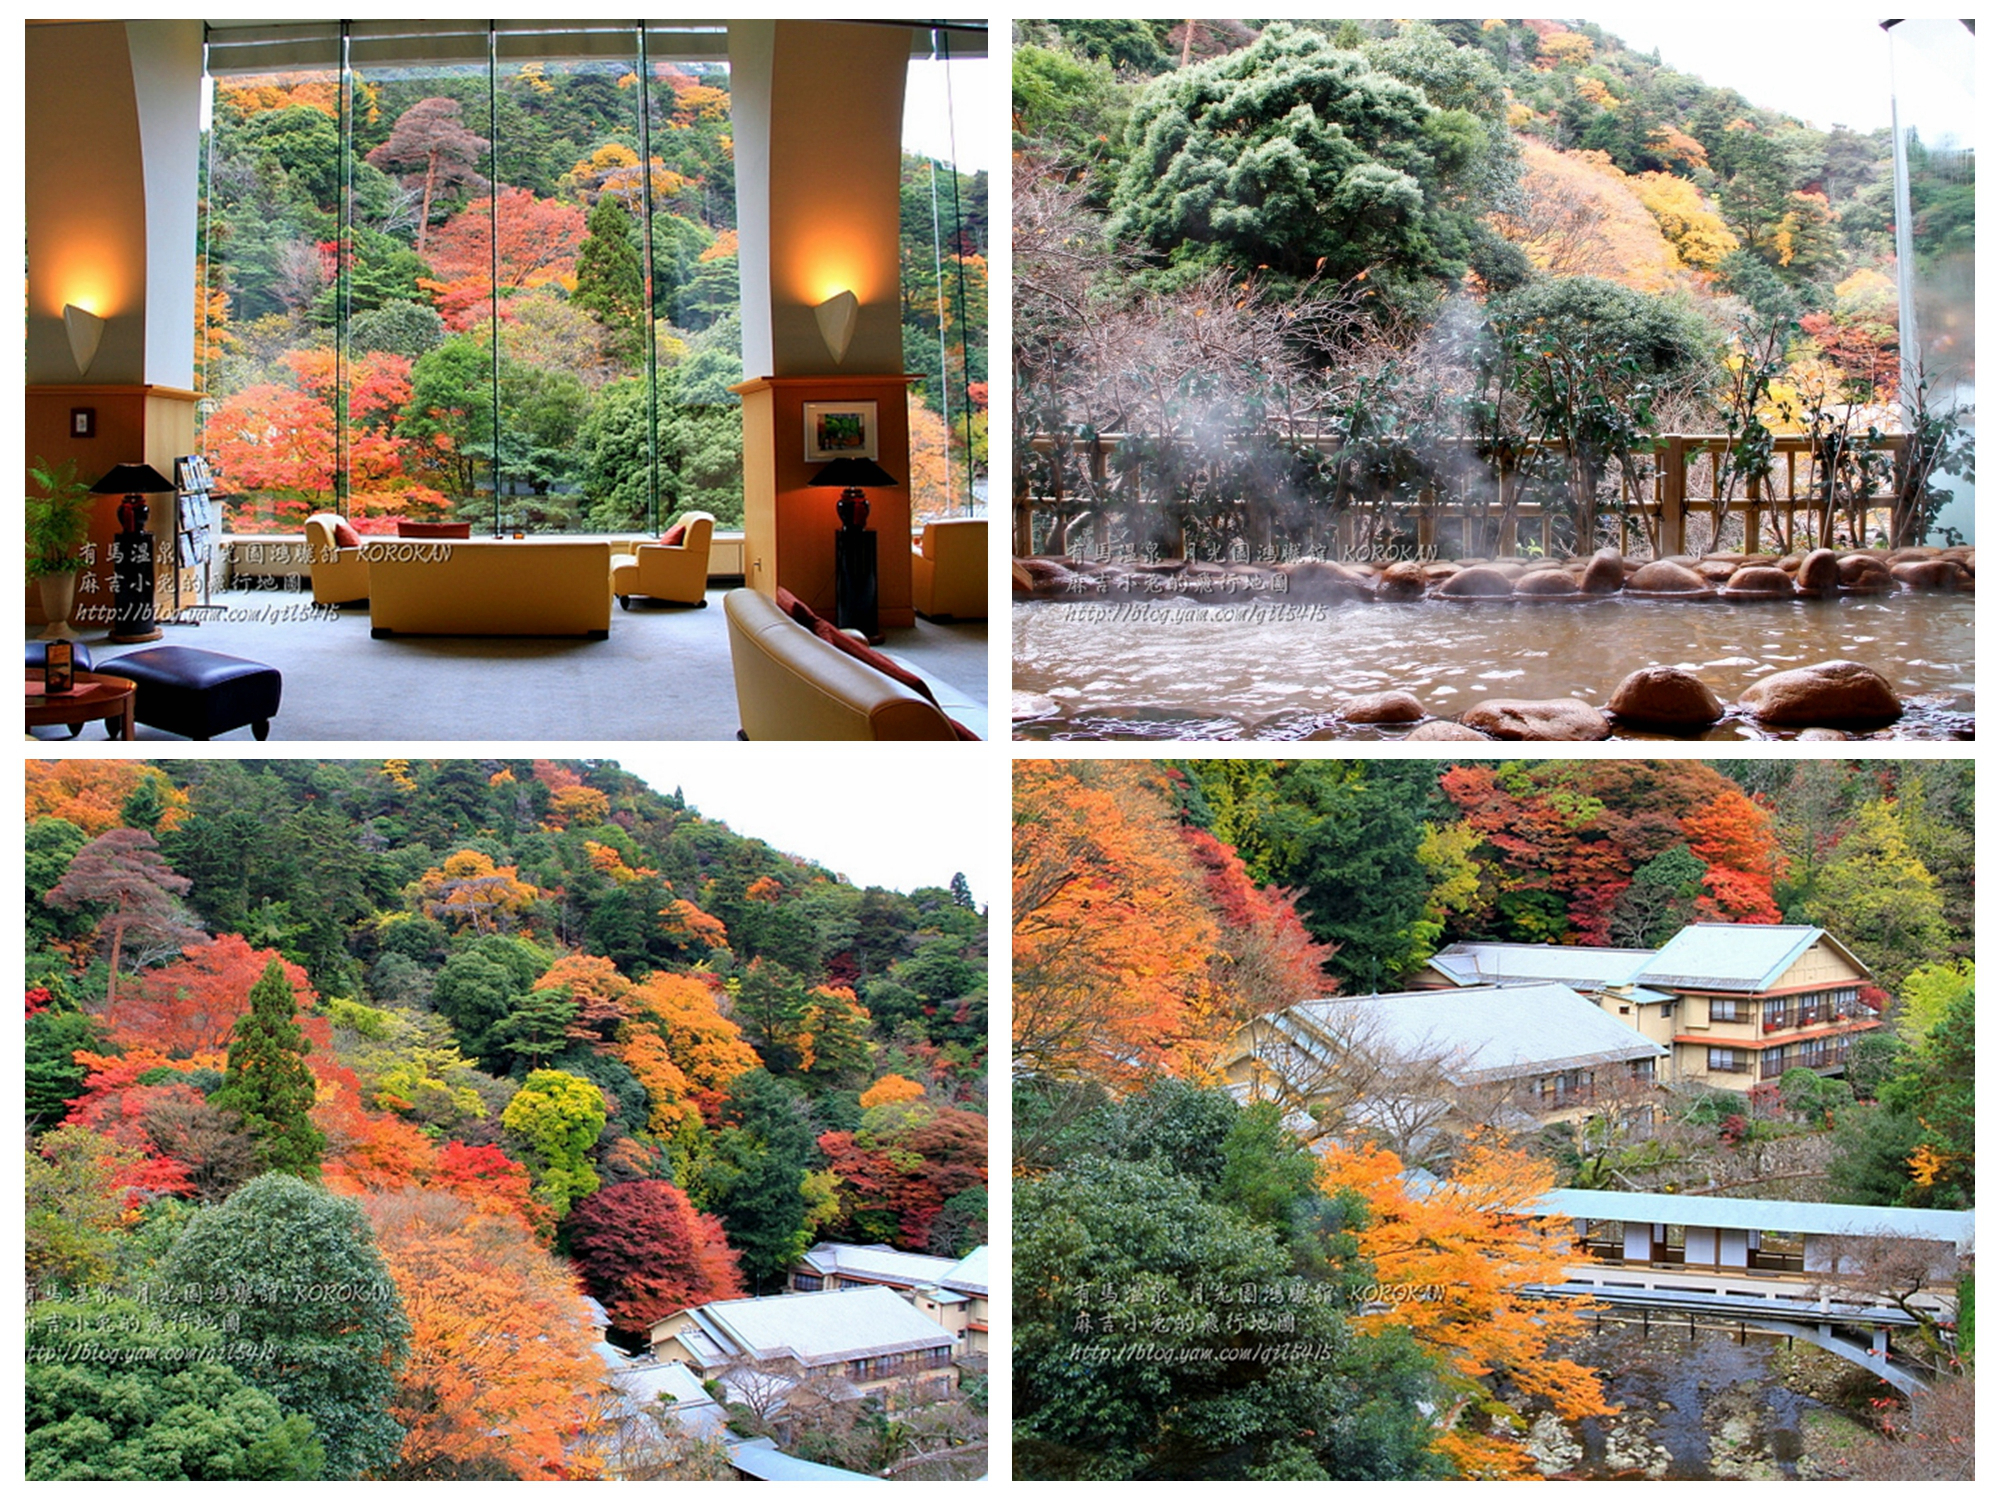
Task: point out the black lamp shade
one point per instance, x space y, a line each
132 479
851 473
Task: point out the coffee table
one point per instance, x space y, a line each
107 698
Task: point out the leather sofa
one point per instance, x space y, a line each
948 569
791 685
489 586
339 574
672 575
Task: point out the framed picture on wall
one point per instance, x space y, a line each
840 429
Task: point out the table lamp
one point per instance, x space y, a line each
851 474
132 481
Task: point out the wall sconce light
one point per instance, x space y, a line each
85 330
836 322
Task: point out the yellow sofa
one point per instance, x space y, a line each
339 574
948 569
673 575
791 685
489 586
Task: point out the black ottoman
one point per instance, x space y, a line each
38 655
199 694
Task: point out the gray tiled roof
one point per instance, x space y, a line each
1734 956
1484 1033
819 1328
1586 968
879 1263
969 1275
1770 1215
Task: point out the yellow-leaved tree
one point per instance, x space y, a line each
1579 216
1697 234
1467 1250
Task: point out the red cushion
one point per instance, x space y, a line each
676 534
435 530
796 607
345 535
861 651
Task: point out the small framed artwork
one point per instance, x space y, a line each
83 421
840 429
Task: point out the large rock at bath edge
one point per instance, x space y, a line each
1317 582
1382 708
1819 572
1545 583
1402 581
1548 719
1831 693
1444 729
1863 573
1928 574
1605 574
1666 578
1481 582
1758 583
1666 698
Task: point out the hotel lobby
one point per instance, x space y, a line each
687 510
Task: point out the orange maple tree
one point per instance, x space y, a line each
894 1089
92 793
1112 939
469 889
1732 836
501 1368
598 989
191 1005
679 1045
688 925
1467 1250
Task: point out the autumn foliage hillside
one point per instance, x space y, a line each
546 1030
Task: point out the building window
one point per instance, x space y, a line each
804 1283
1726 1060
1725 1010
1641 1068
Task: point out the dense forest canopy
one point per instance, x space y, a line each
386 226
531 1018
1268 231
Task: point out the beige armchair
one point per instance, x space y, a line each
673 575
339 574
948 569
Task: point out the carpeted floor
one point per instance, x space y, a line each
663 675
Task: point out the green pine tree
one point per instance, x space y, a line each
610 283
267 1081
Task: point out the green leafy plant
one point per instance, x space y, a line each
58 518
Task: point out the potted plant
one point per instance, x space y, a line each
58 524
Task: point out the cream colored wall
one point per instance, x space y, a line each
818 114
109 195
1819 964
84 197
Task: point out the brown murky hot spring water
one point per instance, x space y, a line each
1171 669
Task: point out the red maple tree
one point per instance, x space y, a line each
645 1252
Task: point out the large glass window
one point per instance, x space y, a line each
471 271
944 249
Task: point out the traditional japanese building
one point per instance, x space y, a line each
1737 1003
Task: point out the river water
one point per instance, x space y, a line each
1700 1408
1176 670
